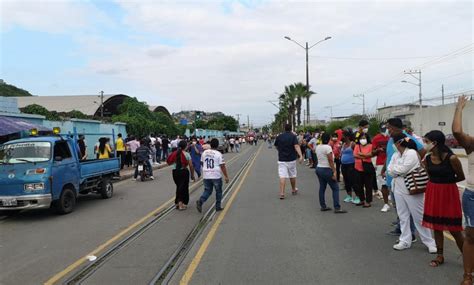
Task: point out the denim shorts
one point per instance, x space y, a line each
468 207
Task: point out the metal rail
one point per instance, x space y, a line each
167 271
88 270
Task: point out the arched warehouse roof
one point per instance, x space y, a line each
160 109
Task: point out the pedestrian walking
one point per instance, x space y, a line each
288 151
121 152
174 144
213 168
442 210
238 143
180 160
326 173
158 149
195 150
467 142
231 144
347 167
402 164
133 145
365 171
128 153
379 149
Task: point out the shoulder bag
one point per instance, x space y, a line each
416 180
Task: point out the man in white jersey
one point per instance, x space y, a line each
213 167
467 142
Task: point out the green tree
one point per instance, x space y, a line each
36 109
8 90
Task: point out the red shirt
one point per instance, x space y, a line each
339 133
380 142
336 148
366 149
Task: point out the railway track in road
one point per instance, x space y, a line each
87 271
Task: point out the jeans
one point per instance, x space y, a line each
165 153
121 155
337 161
208 185
468 207
197 167
325 177
237 148
150 169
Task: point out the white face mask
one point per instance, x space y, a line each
387 133
365 130
194 142
428 146
363 141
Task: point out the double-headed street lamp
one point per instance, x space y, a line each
412 73
306 48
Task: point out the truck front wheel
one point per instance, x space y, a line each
106 189
66 202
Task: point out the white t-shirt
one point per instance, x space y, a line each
232 141
174 143
211 164
322 152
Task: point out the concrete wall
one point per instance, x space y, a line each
8 105
434 115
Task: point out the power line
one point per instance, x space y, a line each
373 58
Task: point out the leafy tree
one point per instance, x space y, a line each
36 109
8 90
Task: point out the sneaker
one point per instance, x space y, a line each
356 200
134 179
218 209
385 208
152 178
348 199
199 206
394 233
432 250
401 246
413 239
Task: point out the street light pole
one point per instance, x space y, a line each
420 102
307 48
102 105
363 101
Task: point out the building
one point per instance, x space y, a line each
403 111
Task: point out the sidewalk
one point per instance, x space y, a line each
128 172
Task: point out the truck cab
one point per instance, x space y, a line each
44 172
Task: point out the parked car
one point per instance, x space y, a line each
451 141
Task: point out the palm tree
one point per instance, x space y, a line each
290 98
307 94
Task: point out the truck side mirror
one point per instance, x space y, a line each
58 158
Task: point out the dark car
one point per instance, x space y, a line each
451 141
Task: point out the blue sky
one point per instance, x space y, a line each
230 56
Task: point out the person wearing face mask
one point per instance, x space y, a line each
363 129
195 149
347 166
365 171
402 163
442 204
395 127
336 150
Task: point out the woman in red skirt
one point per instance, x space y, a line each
442 210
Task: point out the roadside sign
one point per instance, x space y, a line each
441 124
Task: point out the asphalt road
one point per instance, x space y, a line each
36 245
264 240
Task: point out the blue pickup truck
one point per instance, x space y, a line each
46 172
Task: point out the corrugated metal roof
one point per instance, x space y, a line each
83 103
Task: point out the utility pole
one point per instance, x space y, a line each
330 109
307 85
248 122
238 121
101 105
442 94
412 74
362 96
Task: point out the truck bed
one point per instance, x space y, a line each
99 167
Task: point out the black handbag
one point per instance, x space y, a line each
416 181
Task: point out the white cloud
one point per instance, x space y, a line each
235 61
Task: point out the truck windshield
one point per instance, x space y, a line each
25 152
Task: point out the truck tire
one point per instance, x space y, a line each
66 202
106 189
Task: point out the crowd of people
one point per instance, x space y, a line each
416 175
